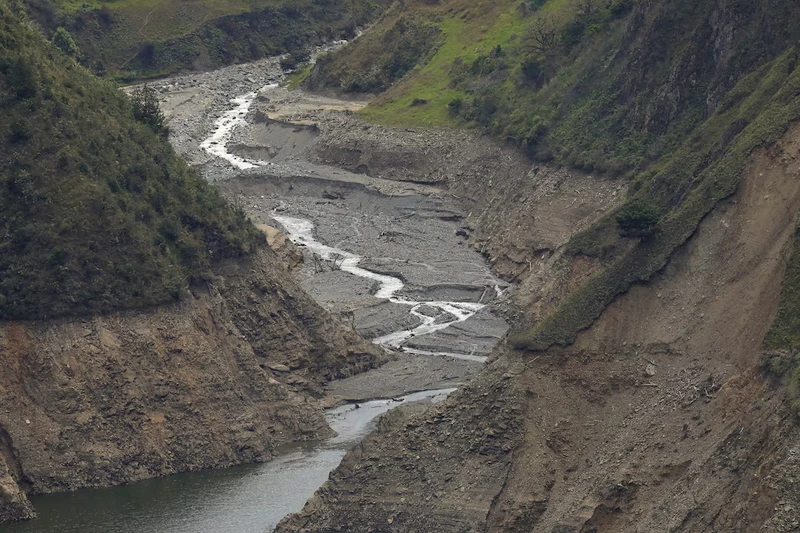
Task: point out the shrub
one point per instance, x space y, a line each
64 41
637 219
455 105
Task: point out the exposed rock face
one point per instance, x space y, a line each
14 505
114 399
436 472
656 419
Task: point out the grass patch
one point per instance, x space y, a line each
782 343
785 331
299 76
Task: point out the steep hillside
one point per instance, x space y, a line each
678 111
606 86
687 107
222 378
642 389
134 39
145 326
98 213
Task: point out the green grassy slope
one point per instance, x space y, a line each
686 186
96 211
140 38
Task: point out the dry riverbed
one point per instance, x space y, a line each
256 142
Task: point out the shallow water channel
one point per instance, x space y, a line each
246 499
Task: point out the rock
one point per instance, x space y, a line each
650 370
82 400
14 504
277 367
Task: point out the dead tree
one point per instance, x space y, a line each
542 33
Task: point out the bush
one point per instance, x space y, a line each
454 106
637 219
22 78
64 41
532 70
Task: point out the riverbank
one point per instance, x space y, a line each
245 499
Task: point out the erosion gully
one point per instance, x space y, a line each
421 292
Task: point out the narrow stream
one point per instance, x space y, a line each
301 231
216 143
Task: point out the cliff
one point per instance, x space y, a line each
221 378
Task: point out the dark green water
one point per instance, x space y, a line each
248 499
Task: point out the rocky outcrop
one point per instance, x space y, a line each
221 378
14 504
437 471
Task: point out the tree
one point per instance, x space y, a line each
542 33
146 108
64 41
21 77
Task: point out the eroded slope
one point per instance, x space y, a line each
656 418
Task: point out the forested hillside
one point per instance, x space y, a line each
97 211
132 39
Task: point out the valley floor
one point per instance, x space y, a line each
425 296
406 230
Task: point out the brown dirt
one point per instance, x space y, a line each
290 256
657 419
221 378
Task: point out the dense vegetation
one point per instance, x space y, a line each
133 39
400 46
602 85
96 210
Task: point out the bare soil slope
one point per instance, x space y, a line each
656 419
222 378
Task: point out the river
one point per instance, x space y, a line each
245 499
254 498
